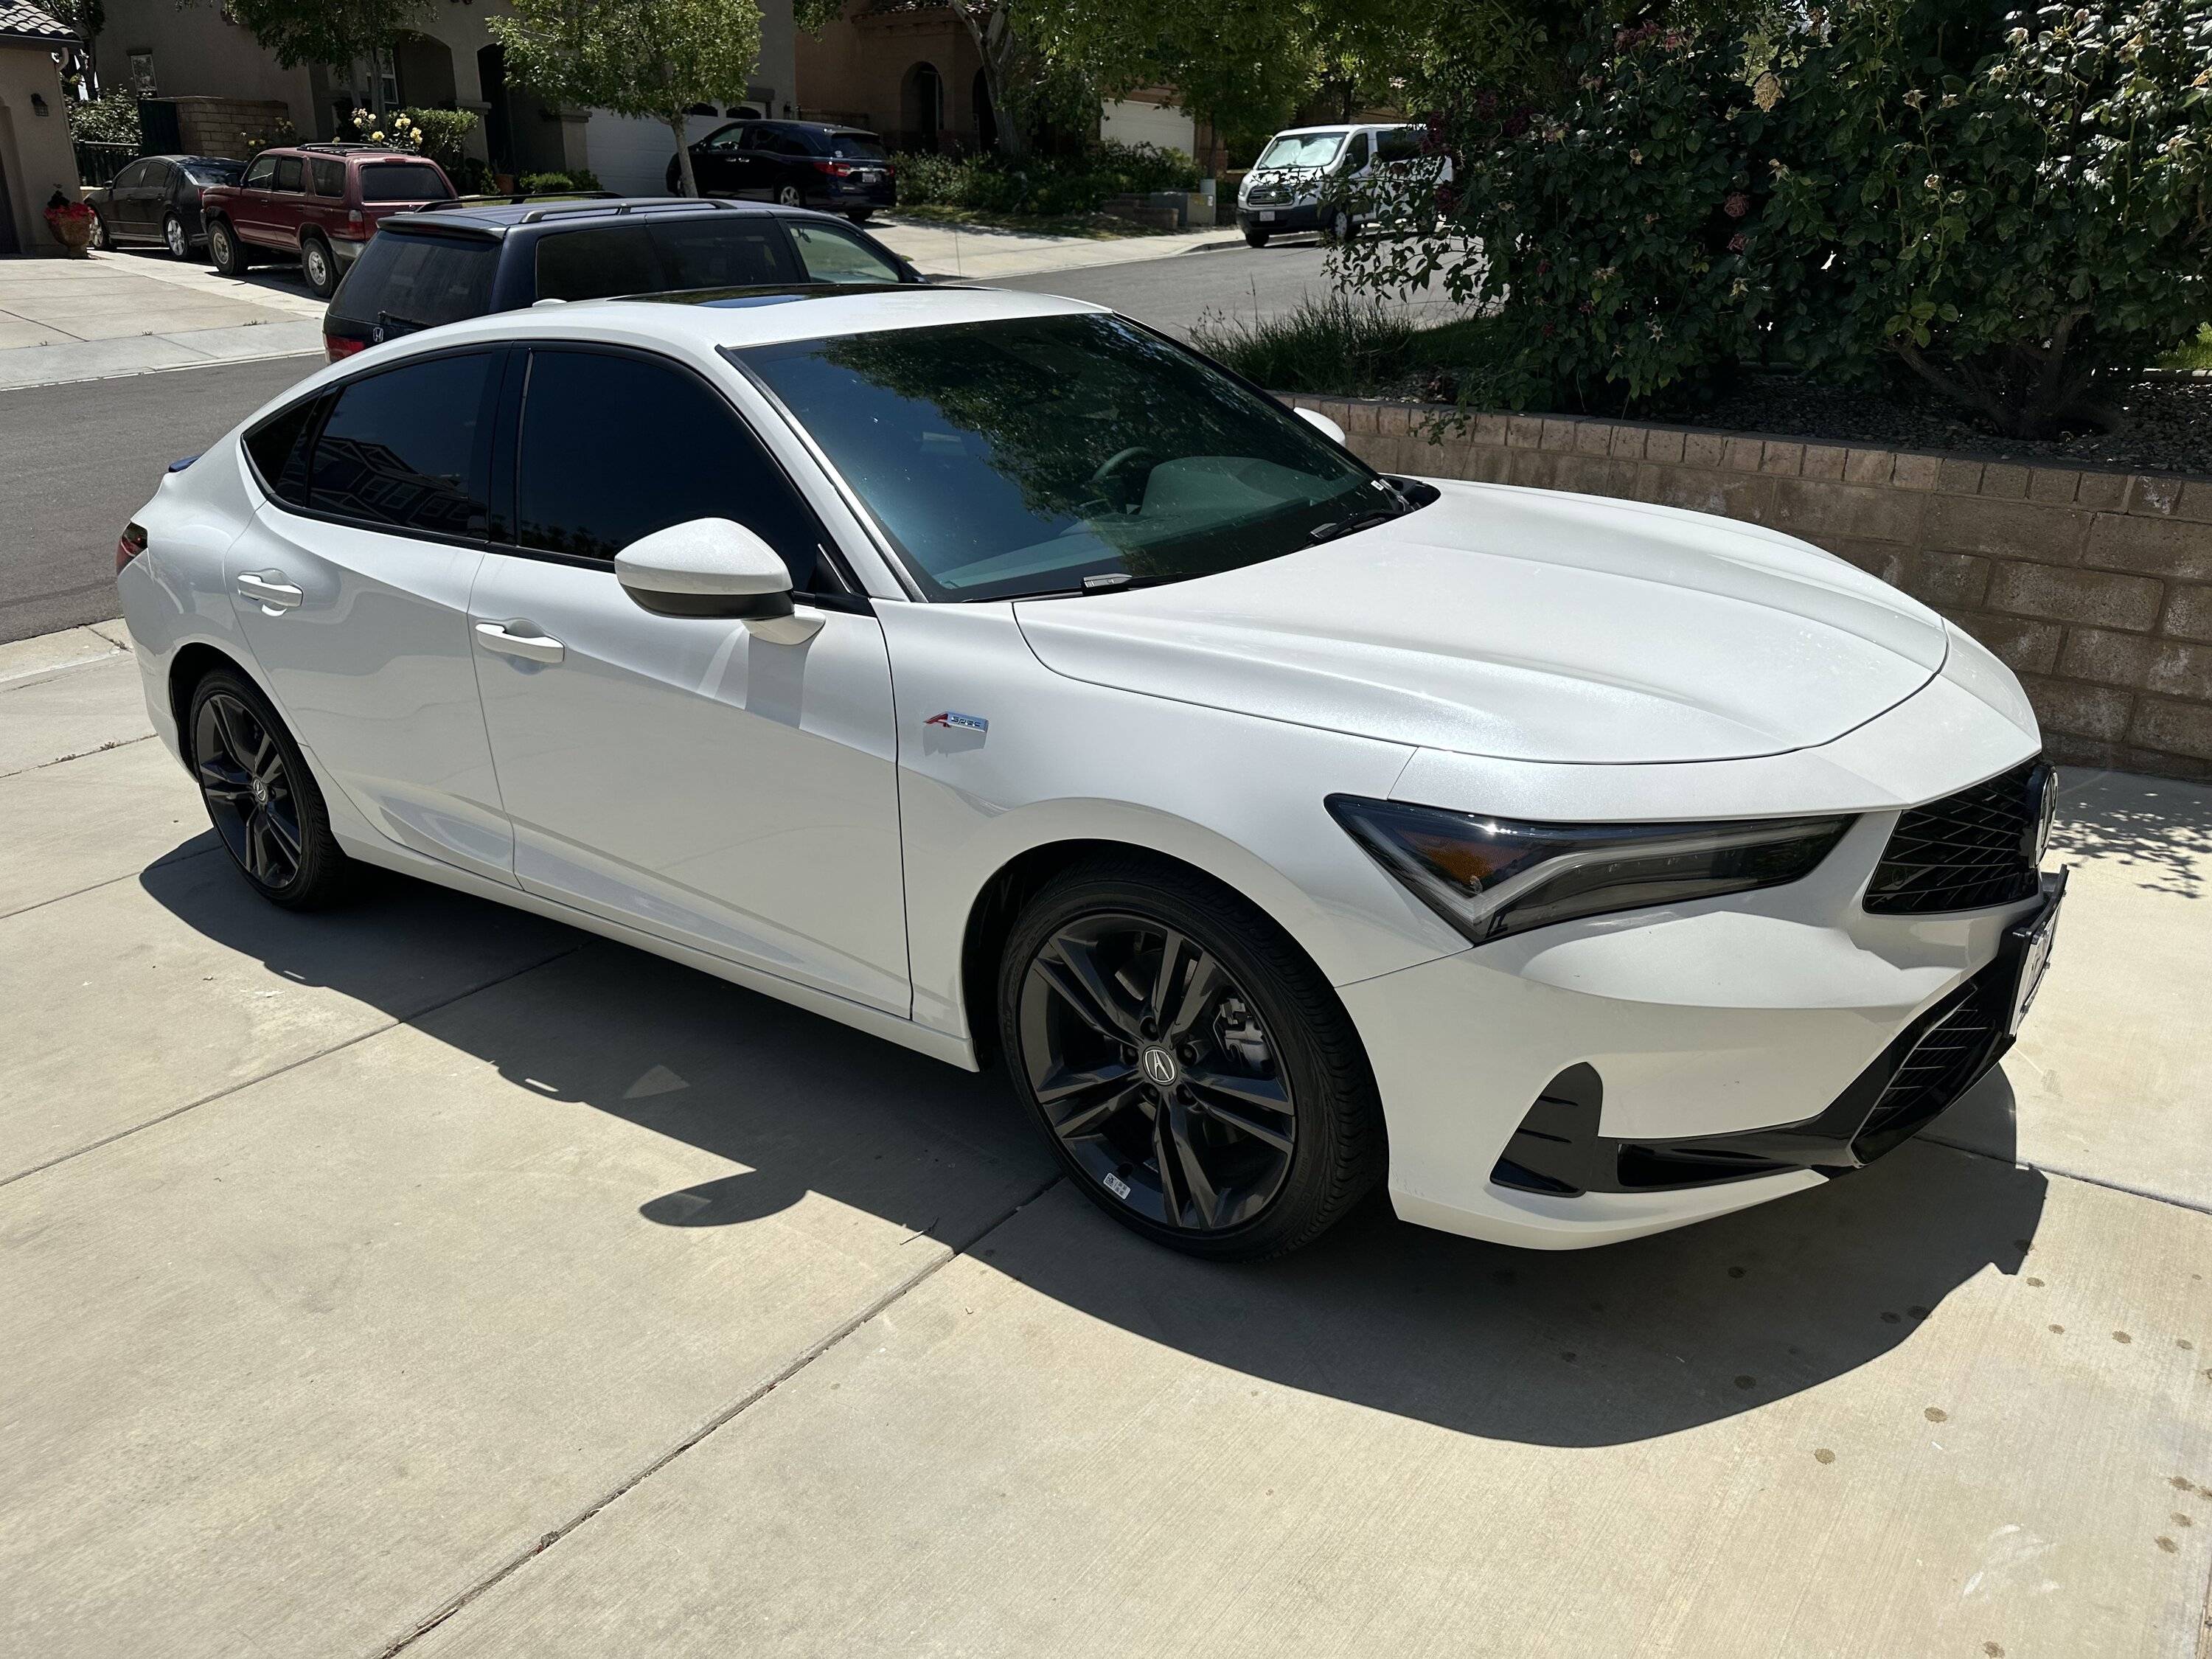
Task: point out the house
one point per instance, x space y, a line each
35 157
231 94
909 69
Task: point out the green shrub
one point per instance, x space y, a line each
1041 185
557 184
112 119
1341 344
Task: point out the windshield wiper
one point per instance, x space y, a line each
1330 532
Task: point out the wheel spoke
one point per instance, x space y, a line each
1159 1005
222 785
1070 969
257 847
1267 1093
1245 1124
1192 1171
1163 1155
1202 988
286 837
1087 1121
1062 1085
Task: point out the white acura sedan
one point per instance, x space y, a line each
992 675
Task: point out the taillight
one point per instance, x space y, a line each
356 219
129 544
835 169
337 346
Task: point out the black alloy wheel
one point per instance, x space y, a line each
260 797
1194 1070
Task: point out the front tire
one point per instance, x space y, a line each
1193 1070
225 250
260 796
103 238
173 237
1255 238
319 266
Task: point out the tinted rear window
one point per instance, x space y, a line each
403 181
723 253
403 448
204 174
854 147
591 265
329 177
418 281
278 447
290 175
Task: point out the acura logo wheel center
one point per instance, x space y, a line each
1160 1067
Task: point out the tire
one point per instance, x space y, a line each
103 238
319 266
1340 228
860 216
173 237
1282 1136
1255 238
790 196
225 250
260 796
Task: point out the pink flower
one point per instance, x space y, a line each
1737 204
1736 243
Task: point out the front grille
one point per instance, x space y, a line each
1966 852
1269 195
1953 1049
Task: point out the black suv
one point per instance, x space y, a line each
797 164
449 260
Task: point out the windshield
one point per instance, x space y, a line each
1301 149
1024 456
403 181
857 147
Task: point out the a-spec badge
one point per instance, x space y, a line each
964 722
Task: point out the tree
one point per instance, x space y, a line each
653 58
337 33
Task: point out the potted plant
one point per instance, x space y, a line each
72 224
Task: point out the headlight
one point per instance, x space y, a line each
1490 877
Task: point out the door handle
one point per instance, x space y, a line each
536 647
269 591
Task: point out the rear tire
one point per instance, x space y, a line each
790 196
225 250
173 237
860 216
1233 1062
1255 238
260 797
319 266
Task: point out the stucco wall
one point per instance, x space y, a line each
36 155
2095 586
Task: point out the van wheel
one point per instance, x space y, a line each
1194 1071
260 796
319 265
1255 238
225 249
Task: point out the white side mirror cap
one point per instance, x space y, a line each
1321 423
713 568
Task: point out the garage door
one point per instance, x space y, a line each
631 155
1148 123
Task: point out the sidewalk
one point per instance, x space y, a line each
135 312
424 1278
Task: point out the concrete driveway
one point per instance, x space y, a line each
425 1278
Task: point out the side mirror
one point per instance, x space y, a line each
1321 423
713 568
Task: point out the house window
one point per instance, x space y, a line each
142 73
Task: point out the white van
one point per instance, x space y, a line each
1317 178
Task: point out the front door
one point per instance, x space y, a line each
249 209
679 773
352 584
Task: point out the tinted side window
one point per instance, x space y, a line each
278 448
590 264
262 170
130 177
831 255
1399 144
614 448
157 175
722 252
418 282
401 448
1355 153
329 176
290 173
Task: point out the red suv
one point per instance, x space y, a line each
319 203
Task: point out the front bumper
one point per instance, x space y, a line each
1303 216
1601 1081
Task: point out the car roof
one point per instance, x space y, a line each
496 218
707 320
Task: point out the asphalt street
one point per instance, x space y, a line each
81 459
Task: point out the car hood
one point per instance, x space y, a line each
1526 625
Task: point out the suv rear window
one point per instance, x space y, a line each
855 147
418 282
403 181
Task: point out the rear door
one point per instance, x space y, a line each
677 772
351 585
324 206
714 163
286 204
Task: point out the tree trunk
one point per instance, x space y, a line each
686 178
993 32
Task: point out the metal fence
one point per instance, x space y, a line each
98 164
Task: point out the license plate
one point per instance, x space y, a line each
2036 937
1266 214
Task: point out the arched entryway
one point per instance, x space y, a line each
921 107
424 70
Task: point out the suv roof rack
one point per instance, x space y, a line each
453 203
660 202
332 147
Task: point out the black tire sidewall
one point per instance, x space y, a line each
325 871
308 250
1338 1155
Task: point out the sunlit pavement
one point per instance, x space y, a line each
428 1278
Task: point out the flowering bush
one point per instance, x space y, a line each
2009 214
436 133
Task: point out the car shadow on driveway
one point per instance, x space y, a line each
1584 1348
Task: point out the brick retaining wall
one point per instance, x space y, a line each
220 126
2095 586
